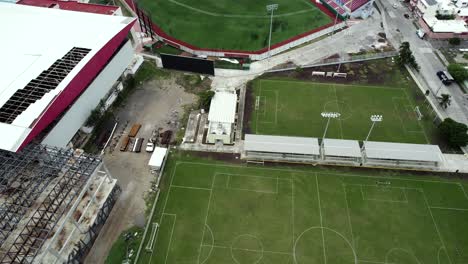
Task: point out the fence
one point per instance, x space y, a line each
264 53
352 58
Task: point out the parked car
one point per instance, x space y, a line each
149 147
445 77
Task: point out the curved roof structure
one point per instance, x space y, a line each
49 57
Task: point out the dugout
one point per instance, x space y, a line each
281 148
341 150
402 154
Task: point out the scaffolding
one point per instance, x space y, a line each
38 187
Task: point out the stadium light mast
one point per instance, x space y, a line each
328 115
374 119
271 8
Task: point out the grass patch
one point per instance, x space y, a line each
212 212
121 246
243 25
293 108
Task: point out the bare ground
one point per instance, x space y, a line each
157 103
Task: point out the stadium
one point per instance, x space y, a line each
244 28
54 200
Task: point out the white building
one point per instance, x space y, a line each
54 76
222 117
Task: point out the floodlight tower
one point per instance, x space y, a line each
328 115
374 119
271 8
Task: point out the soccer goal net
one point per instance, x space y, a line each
154 232
257 103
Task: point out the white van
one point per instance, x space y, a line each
420 33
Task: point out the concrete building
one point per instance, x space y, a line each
442 19
350 8
222 118
54 76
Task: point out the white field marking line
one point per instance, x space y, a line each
389 187
418 121
404 250
406 195
228 180
250 250
275 92
327 173
376 262
250 176
349 215
170 240
362 193
264 104
397 112
189 187
383 200
321 220
212 243
387 201
292 208
234 15
338 84
250 190
165 203
435 224
247 235
257 112
276 107
448 208
338 107
329 229
463 190
206 217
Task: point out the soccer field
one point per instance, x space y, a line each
293 108
233 25
218 213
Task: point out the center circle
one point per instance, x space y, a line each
246 249
340 107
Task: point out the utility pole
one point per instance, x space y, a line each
271 8
374 119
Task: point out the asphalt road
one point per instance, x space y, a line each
401 29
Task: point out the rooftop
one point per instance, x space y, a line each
402 151
45 49
342 148
72 6
223 107
282 144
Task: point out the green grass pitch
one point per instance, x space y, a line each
293 108
233 25
213 213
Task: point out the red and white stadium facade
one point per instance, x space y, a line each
49 68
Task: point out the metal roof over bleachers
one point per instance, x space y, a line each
342 148
403 151
282 144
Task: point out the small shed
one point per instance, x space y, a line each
403 154
341 150
300 149
157 158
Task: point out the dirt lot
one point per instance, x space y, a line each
157 103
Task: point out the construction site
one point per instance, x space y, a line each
53 203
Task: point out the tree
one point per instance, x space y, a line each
445 100
204 100
455 133
454 41
458 72
406 57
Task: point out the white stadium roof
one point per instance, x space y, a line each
223 107
342 148
401 151
281 144
34 38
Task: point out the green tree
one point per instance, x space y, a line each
454 41
455 133
445 100
406 57
204 100
458 72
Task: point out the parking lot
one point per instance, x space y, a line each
155 104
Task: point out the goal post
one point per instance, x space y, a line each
154 232
257 102
418 113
